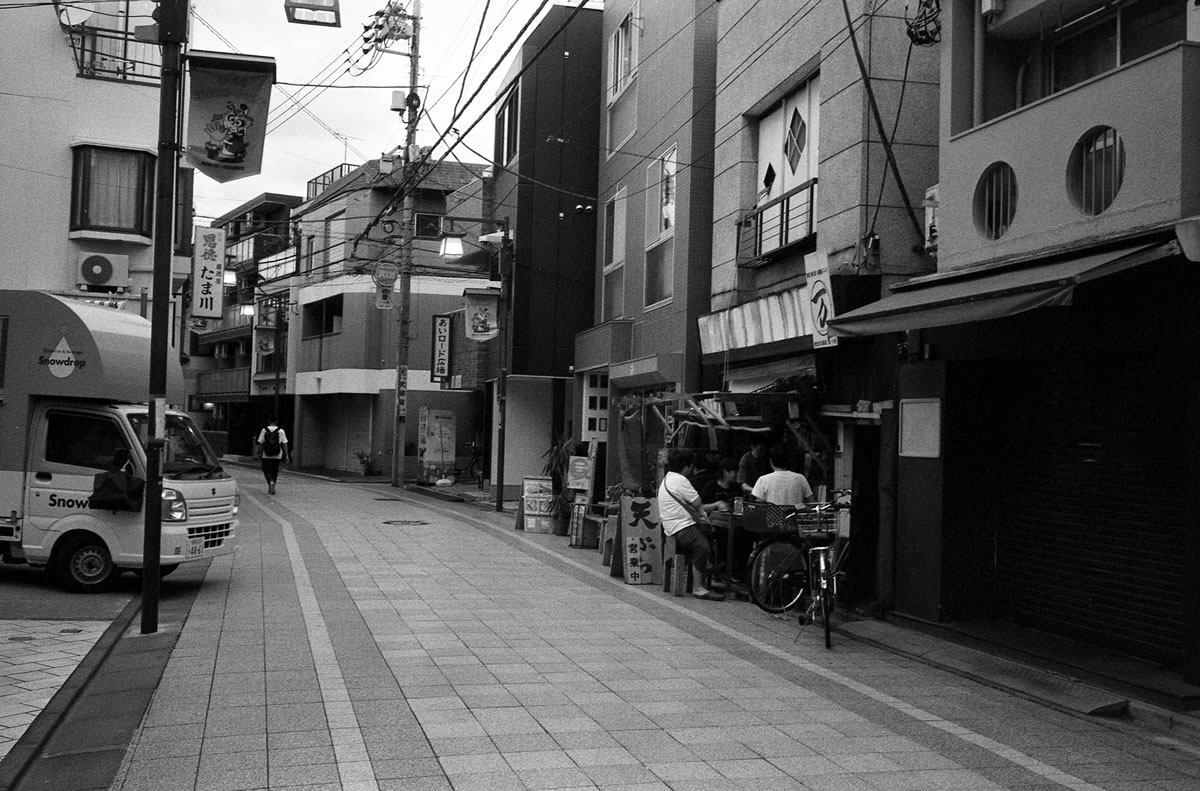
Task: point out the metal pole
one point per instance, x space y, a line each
506 264
404 280
278 350
172 22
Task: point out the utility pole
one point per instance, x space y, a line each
171 17
412 106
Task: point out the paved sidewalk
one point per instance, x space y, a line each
36 657
368 638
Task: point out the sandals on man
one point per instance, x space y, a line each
710 596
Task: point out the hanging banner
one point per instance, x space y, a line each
483 313
230 96
208 273
820 298
441 348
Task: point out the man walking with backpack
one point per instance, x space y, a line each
272 449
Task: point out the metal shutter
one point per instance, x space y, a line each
1091 522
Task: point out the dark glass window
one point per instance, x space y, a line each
82 440
112 190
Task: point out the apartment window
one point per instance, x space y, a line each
623 54
1100 41
996 200
660 272
660 197
614 258
507 127
787 142
112 190
427 226
310 253
1096 170
322 318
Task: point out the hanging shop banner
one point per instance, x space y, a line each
230 96
483 313
820 298
208 273
441 348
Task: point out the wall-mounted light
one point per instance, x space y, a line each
247 309
326 13
229 277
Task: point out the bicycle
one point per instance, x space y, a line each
474 467
800 562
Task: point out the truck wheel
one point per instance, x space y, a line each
84 565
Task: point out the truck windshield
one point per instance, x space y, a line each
186 452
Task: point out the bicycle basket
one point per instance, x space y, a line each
814 521
765 517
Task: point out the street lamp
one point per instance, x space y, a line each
452 248
326 13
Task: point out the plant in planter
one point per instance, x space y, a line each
557 460
367 462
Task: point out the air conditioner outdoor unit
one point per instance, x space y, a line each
102 272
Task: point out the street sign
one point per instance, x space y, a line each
385 273
383 297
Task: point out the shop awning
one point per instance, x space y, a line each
961 297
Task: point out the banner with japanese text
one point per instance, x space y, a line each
208 273
230 96
441 348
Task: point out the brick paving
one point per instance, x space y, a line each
36 657
365 639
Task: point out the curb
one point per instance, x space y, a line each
33 741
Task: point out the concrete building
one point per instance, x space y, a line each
655 214
348 337
78 125
545 165
816 114
1047 390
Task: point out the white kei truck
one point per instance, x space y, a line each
74 379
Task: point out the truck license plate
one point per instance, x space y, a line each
195 547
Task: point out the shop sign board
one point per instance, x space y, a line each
537 501
641 539
441 348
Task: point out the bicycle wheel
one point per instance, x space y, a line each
778 575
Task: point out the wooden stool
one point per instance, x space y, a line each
675 568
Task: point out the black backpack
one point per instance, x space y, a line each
271 442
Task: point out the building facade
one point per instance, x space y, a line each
347 346
1048 412
77 205
654 219
544 183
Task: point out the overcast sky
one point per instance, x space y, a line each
301 148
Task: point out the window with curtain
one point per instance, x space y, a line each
112 190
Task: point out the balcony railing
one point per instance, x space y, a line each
782 226
325 180
226 381
103 54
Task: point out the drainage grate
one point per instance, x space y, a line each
405 522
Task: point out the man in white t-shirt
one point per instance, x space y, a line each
781 486
679 507
272 445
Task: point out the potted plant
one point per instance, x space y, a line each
557 461
364 458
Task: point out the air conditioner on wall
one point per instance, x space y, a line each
102 272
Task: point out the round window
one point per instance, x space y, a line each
1096 170
995 200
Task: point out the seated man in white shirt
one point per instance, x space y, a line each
679 510
781 486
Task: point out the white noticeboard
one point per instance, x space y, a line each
921 428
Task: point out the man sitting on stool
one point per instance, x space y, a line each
679 509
